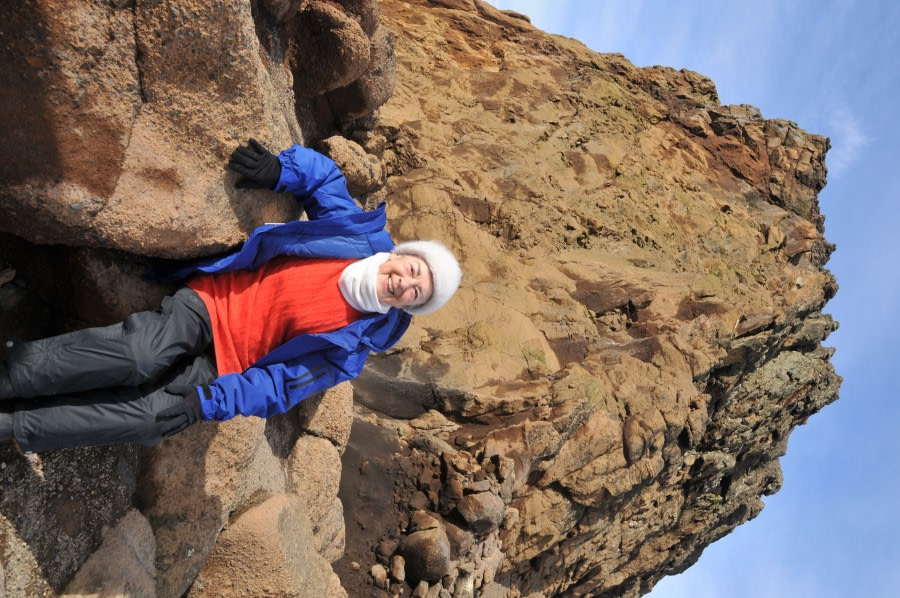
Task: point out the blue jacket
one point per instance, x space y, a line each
308 363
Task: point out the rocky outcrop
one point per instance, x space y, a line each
638 331
639 327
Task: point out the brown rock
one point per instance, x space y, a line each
575 380
464 5
753 324
427 554
365 11
398 567
601 301
510 518
188 506
428 443
637 436
453 489
379 575
373 88
329 533
386 548
328 50
58 101
478 486
283 9
329 415
418 501
421 520
131 116
483 511
124 563
461 540
362 170
266 550
315 474
335 589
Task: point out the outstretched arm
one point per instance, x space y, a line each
268 390
315 179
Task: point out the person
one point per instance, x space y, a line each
295 310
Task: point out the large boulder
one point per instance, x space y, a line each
188 489
266 551
131 115
121 116
329 50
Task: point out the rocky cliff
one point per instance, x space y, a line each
638 331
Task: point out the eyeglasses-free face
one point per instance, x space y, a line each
404 281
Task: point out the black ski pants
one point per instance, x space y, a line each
106 385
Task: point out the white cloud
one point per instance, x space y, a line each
848 140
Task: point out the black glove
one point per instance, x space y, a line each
259 165
183 415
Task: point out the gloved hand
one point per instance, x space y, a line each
183 415
258 164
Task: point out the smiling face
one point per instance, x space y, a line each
404 281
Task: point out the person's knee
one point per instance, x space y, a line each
144 338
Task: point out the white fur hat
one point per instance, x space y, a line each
445 272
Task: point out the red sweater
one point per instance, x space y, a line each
253 313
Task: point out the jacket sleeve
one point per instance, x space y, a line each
316 181
272 389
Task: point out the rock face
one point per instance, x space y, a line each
639 327
638 330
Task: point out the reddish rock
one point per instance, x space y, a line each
398 567
187 490
283 9
461 540
315 474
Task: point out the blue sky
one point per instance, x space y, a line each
828 65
